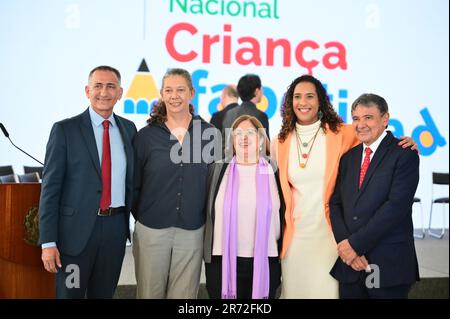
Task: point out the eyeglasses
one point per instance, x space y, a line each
251 132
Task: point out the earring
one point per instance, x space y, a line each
320 114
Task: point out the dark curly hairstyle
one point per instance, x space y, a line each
159 111
329 117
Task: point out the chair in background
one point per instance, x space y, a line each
438 179
29 178
6 170
12 178
32 169
418 201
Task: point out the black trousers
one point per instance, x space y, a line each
244 265
358 290
95 272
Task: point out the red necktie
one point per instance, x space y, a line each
105 201
365 166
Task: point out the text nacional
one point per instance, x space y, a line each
232 8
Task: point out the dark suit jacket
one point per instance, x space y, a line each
377 218
246 108
216 172
218 117
72 184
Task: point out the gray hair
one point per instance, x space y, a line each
105 68
370 99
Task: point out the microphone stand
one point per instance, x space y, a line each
7 136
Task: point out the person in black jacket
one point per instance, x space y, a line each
250 92
229 100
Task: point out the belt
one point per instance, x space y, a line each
111 211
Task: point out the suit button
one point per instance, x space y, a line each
355 218
99 191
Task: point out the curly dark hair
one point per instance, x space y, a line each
159 111
329 117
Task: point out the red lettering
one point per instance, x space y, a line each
254 51
170 42
340 55
207 42
300 56
249 49
227 45
272 45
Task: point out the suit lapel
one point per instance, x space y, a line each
376 160
354 170
126 141
125 138
216 179
218 176
88 135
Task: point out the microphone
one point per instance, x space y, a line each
5 132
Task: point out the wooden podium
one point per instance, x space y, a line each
22 274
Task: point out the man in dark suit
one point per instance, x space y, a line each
228 100
371 209
87 192
251 92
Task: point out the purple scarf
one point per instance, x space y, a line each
263 199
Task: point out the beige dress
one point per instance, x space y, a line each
312 252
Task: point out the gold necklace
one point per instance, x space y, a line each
299 148
304 144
